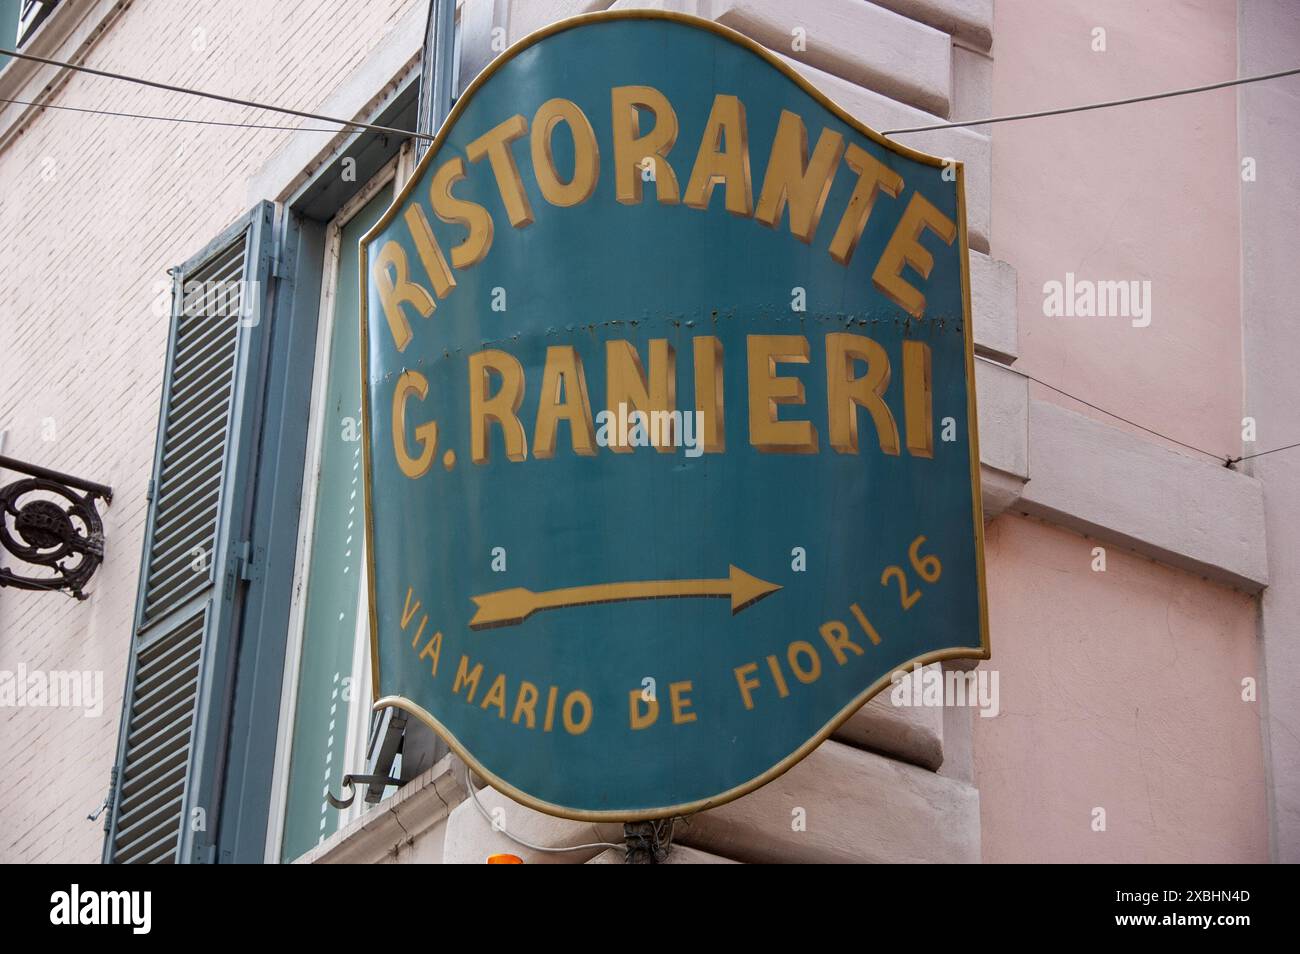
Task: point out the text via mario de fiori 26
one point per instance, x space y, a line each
538 706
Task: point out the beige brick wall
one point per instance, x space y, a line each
93 210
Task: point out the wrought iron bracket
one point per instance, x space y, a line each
64 535
351 782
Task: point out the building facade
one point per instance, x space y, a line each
1142 595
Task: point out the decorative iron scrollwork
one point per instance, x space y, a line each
64 534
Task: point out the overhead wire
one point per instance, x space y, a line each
1274 450
990 120
219 97
1227 459
1096 407
170 119
1104 104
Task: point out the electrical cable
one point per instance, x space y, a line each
1227 459
1036 114
1105 104
171 119
1075 397
1235 460
219 97
473 794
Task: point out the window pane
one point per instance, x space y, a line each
319 756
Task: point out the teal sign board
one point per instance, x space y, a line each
669 420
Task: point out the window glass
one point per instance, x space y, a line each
333 693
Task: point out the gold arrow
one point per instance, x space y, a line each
513 606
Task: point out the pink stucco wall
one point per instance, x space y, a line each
1120 690
1141 192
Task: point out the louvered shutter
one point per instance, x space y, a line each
179 683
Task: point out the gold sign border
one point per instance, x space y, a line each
401 702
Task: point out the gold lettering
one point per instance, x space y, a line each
429 250
905 248
586 154
800 647
637 719
845 393
745 683
873 176
727 163
563 398
474 217
680 702
791 178
467 677
708 393
396 290
767 392
574 699
502 407
496 695
526 704
432 649
782 690
409 611
625 383
918 410
630 147
836 636
426 434
549 722
865 623
495 145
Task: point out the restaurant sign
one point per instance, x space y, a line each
670 455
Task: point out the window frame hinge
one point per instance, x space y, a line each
244 565
203 854
106 809
250 559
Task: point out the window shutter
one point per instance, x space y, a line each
172 741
